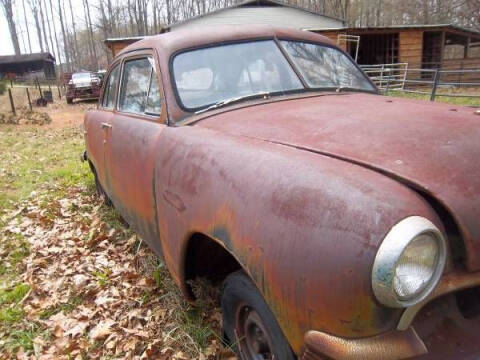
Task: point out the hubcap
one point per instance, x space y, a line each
253 339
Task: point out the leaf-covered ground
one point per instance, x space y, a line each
75 282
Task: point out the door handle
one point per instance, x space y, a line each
106 125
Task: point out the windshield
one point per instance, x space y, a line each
325 67
81 76
215 76
207 76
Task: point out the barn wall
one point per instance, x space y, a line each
410 48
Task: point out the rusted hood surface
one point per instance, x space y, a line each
433 147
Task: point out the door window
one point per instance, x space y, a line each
139 93
110 89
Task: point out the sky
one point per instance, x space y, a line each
6 47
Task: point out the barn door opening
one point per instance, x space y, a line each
378 49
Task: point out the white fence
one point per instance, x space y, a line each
423 81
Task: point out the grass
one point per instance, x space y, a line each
465 101
73 302
31 159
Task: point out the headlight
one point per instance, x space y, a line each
409 263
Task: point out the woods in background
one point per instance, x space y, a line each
73 30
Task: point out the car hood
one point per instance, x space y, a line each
433 147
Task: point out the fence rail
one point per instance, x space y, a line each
423 81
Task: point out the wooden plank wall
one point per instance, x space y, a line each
410 48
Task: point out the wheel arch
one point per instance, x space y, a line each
208 257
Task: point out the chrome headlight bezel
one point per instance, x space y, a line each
390 252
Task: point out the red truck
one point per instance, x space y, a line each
339 223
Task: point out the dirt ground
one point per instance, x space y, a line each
61 113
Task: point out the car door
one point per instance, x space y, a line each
98 123
136 125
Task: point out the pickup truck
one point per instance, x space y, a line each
338 222
83 85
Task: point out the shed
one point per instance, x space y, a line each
250 12
38 64
443 46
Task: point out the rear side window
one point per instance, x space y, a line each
110 89
139 92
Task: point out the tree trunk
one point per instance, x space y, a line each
89 24
65 46
7 9
26 24
43 26
75 43
52 46
34 9
56 40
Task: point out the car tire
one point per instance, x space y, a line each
248 324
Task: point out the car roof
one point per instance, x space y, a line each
168 43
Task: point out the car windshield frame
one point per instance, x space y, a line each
289 61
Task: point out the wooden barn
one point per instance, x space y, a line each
40 65
442 46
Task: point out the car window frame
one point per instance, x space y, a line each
114 66
277 40
140 54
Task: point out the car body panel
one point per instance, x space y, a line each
210 183
371 131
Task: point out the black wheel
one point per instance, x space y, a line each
69 101
248 323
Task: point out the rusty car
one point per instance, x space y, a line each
338 222
83 85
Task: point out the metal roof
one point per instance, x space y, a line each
23 58
251 3
399 27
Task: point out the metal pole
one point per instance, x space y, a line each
12 105
29 101
381 76
356 51
388 83
59 93
40 89
435 84
405 77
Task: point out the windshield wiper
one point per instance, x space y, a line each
264 94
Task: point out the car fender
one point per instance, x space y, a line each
305 226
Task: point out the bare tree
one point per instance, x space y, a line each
74 30
34 9
26 25
7 6
65 41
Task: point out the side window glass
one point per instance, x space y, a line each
135 84
108 101
154 106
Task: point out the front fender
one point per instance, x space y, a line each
305 226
